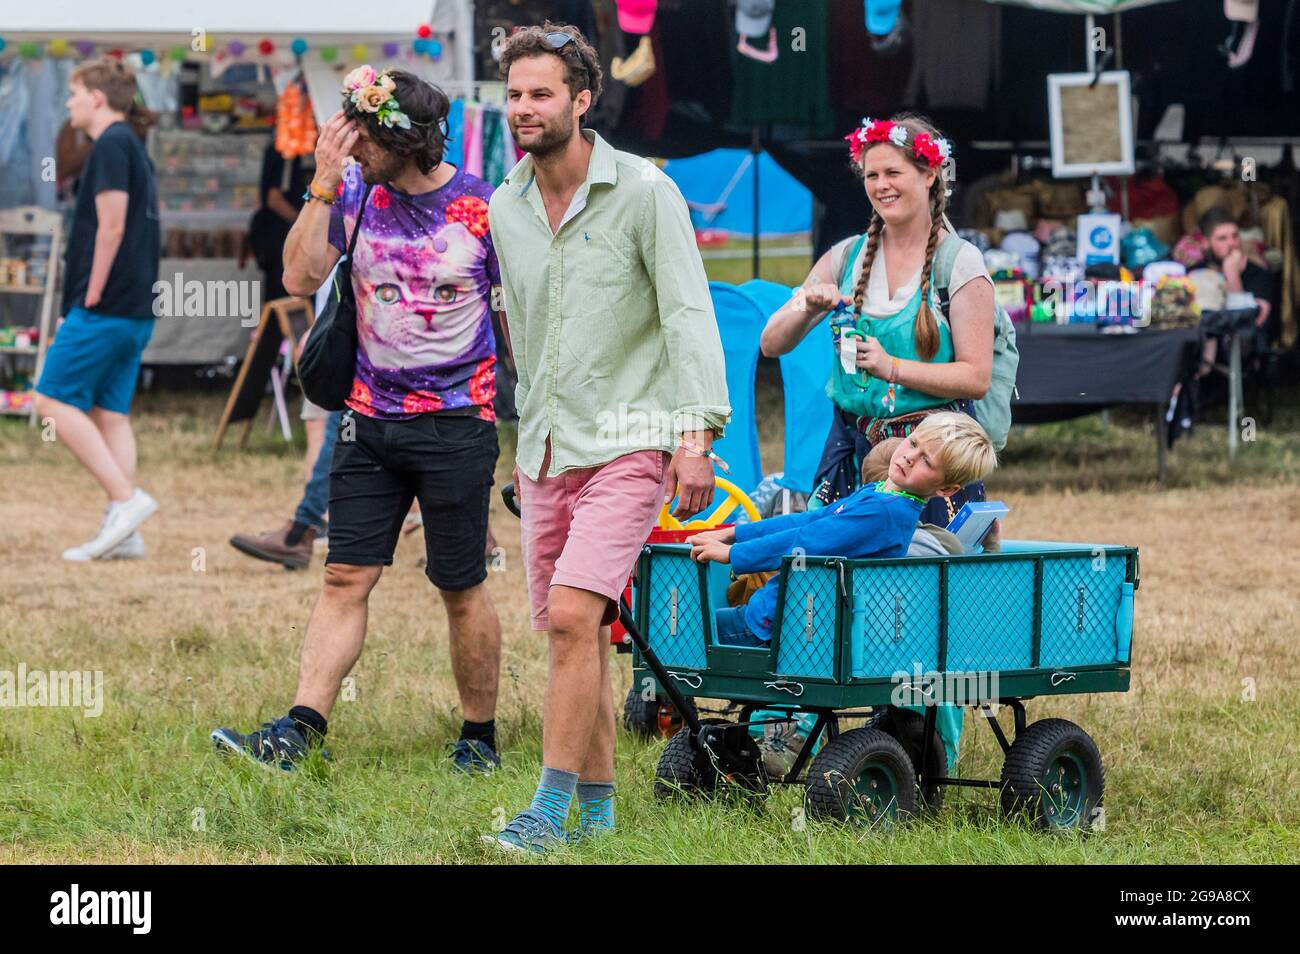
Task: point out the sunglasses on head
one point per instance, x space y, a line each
557 40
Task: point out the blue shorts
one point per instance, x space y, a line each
95 360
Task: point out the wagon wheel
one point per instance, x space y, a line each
688 767
735 498
655 718
908 727
863 776
1053 774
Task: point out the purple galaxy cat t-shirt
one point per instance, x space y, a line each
422 273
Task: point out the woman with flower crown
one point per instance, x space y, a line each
904 346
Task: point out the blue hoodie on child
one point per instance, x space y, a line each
870 522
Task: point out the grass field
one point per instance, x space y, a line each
1201 758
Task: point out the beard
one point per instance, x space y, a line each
383 170
553 137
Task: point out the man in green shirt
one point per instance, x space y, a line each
622 389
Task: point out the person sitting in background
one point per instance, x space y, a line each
1234 273
945 451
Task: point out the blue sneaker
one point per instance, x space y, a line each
279 744
529 831
474 757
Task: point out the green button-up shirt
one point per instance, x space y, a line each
610 318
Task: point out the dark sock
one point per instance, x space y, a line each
485 732
296 532
308 721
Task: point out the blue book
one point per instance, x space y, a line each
973 521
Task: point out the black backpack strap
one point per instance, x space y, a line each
356 228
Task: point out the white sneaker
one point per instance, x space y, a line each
132 548
121 522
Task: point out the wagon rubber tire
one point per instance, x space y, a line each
908 727
863 776
682 769
1053 774
685 768
647 721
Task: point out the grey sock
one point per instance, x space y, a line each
596 805
590 791
554 795
566 782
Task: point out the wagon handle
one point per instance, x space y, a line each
511 502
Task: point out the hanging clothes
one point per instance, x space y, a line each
454 152
1275 221
295 125
494 167
792 89
862 81
473 133
958 45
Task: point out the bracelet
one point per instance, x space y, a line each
328 198
698 451
891 392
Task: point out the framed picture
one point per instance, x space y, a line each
1091 125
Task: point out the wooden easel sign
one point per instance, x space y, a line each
250 383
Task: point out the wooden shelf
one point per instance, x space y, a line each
34 221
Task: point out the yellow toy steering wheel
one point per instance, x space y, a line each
735 498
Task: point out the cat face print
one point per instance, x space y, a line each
420 303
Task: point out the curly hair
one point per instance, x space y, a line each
426 105
581 64
927 330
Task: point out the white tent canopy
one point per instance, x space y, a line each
162 24
86 18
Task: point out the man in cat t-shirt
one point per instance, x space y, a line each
419 423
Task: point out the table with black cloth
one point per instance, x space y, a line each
1067 371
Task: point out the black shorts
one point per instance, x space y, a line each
379 467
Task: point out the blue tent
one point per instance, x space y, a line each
742 311
719 188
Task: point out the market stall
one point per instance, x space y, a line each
216 90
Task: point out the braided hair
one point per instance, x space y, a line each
927 329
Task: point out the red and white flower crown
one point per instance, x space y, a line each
925 147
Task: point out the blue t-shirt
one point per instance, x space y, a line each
870 522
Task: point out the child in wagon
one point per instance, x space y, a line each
944 452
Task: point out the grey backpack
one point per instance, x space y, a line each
993 410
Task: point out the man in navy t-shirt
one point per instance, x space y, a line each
110 268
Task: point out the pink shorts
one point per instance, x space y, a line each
585 527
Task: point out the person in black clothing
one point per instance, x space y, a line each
1224 254
111 268
283 183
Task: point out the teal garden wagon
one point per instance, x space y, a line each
881 642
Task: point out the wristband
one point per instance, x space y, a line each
697 451
328 198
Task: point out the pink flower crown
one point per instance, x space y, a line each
924 146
